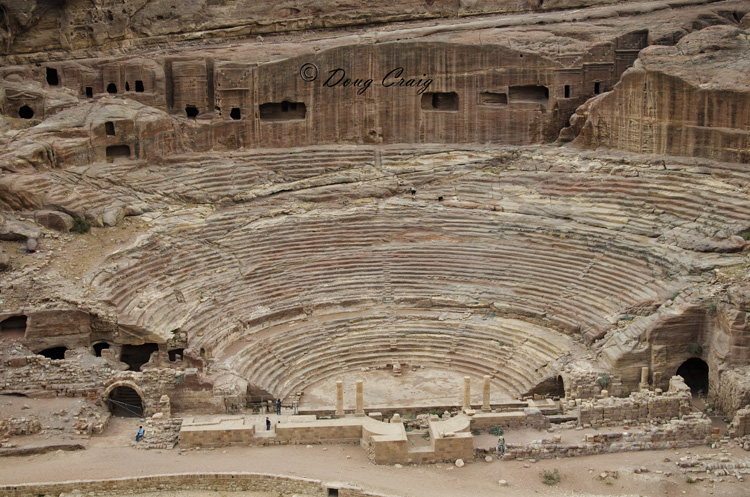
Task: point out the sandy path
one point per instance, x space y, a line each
110 455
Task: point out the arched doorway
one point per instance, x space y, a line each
98 347
695 373
125 402
560 391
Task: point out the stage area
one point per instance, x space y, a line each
421 387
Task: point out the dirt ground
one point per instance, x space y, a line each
111 455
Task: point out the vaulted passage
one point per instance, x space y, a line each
695 373
125 402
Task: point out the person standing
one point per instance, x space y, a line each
278 406
268 424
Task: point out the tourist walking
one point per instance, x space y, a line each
278 406
268 424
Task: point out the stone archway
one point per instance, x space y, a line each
125 399
695 373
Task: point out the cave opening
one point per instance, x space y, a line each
56 353
115 152
25 112
13 327
52 78
136 356
695 373
175 354
112 88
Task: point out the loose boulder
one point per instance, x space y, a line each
55 220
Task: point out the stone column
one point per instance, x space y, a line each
467 392
360 410
486 395
644 378
339 398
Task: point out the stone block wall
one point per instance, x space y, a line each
329 432
529 418
450 448
389 450
217 434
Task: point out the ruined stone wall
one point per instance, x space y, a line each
687 432
639 407
36 375
741 423
590 384
733 392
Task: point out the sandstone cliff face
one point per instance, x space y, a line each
30 26
691 99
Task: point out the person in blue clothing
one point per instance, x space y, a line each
268 424
501 446
139 435
278 406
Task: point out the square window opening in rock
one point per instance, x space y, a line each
443 102
493 98
283 111
529 93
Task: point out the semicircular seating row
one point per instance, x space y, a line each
268 273
515 355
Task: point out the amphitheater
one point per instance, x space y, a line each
441 215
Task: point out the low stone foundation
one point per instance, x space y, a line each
227 482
